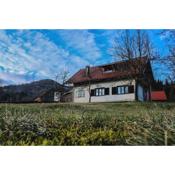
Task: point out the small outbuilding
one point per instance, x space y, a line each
158 96
63 94
67 97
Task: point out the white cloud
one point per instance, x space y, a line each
83 42
11 78
29 55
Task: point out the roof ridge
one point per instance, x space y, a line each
114 62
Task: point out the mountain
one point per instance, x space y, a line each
28 92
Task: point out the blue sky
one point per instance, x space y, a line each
29 55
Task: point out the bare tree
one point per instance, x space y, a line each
132 44
62 76
123 46
172 63
88 74
169 36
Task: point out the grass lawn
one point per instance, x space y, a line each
129 123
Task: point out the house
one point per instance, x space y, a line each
119 81
51 95
67 96
158 96
59 94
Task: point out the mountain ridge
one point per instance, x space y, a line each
27 92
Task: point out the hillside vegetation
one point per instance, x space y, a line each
28 92
88 124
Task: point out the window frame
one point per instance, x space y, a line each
98 92
80 94
121 90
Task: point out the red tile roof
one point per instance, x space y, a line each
97 73
158 96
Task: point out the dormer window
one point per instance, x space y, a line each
108 71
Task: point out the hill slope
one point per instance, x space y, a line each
28 92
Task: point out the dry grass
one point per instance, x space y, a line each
88 124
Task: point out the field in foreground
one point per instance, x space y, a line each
88 124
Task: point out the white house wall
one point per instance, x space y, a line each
106 98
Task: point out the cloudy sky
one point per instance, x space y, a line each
28 55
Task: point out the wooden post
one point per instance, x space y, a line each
166 138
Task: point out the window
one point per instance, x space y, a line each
80 93
103 92
126 90
108 71
100 92
123 89
96 92
57 96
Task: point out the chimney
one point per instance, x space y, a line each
87 71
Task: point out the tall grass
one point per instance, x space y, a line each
88 124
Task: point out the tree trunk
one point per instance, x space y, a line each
136 89
150 90
89 92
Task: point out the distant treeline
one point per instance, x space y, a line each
167 86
